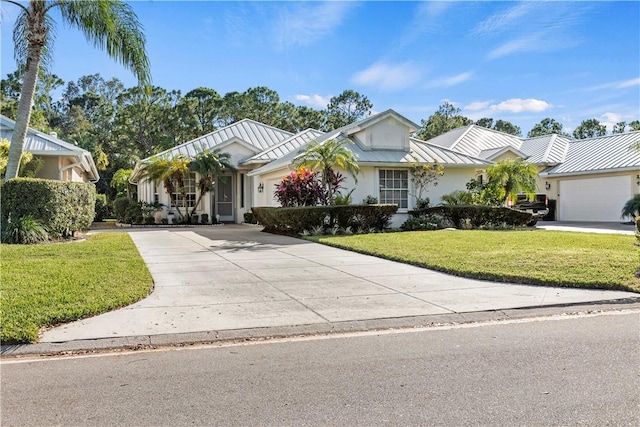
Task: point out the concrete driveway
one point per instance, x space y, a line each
588 227
236 277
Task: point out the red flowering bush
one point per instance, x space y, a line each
301 188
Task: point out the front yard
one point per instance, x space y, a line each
553 258
47 284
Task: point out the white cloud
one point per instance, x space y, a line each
315 100
303 23
501 21
518 105
528 43
620 84
388 76
476 106
450 81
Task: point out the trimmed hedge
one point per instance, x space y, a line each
298 219
61 207
465 217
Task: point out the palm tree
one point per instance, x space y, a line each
327 155
172 172
209 164
110 25
510 177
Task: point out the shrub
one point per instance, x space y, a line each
149 220
204 218
102 208
24 231
370 200
467 217
61 207
426 222
301 188
295 220
250 218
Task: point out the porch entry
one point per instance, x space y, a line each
224 198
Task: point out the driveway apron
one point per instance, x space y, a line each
236 277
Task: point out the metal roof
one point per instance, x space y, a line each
486 143
42 144
603 154
256 135
424 152
546 149
288 145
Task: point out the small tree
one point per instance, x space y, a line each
172 172
422 176
510 177
120 182
326 156
209 164
301 188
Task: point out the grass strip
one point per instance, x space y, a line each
48 284
538 257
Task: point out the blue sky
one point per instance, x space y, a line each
516 61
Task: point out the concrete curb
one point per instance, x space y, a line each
258 334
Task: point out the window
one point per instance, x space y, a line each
394 187
190 192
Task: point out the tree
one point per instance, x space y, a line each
634 125
108 24
507 127
510 177
325 157
172 171
500 125
120 182
422 176
546 126
205 108
590 128
209 164
619 127
445 119
346 108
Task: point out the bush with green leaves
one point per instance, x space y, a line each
204 218
426 222
468 217
250 218
296 220
24 231
61 207
632 207
301 188
103 210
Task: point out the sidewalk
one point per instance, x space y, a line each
235 277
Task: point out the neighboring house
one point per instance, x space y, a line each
591 179
61 160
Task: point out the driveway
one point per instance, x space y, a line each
588 227
236 277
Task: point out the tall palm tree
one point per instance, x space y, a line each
209 164
510 177
109 25
326 156
172 171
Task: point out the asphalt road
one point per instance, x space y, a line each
576 371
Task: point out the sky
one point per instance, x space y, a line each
515 61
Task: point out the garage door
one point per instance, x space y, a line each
593 199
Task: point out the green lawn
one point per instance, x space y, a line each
555 258
43 285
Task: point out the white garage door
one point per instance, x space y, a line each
593 199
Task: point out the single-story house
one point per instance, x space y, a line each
384 146
60 160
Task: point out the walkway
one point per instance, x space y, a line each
236 277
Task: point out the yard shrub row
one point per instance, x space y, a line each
61 207
466 217
298 219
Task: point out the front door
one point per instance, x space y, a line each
224 198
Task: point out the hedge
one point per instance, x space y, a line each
61 207
463 216
298 219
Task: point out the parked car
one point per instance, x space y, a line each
538 206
